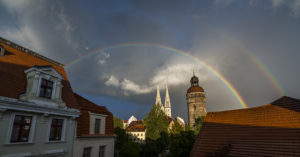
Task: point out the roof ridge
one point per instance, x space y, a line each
30 52
284 98
249 108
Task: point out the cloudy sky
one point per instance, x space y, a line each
117 52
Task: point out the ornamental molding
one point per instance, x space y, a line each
17 105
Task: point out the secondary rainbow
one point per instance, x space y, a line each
268 74
171 49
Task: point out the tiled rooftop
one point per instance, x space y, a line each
269 130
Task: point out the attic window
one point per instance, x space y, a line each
46 89
2 51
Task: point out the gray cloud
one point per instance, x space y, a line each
67 31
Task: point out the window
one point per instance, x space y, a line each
87 152
56 129
21 128
101 151
1 51
97 126
46 89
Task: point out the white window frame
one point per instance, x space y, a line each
93 117
49 78
63 134
11 125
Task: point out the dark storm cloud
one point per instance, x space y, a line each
65 31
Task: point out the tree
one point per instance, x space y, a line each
198 124
125 146
176 129
181 144
156 122
117 122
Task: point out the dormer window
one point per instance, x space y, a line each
44 86
46 89
97 123
2 51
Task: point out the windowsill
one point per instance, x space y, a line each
19 143
49 142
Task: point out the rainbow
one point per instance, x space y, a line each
171 49
275 83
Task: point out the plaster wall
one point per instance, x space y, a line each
94 143
40 143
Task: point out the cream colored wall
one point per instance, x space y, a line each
142 135
95 143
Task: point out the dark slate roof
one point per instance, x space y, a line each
268 130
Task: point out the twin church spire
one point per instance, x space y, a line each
167 107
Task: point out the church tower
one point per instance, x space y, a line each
167 103
158 99
196 101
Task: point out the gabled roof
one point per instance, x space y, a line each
83 122
268 130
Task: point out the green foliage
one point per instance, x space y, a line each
155 122
130 149
181 144
117 122
125 146
176 128
198 124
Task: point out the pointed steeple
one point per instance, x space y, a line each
167 103
158 99
167 98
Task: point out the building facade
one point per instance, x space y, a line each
36 99
137 130
196 101
95 130
40 115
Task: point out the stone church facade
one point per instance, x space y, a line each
196 101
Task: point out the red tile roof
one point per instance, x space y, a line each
83 122
269 130
13 79
13 83
195 89
136 126
124 121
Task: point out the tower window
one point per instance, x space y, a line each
194 107
46 89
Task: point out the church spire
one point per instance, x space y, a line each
167 103
158 99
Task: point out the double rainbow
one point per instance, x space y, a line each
171 49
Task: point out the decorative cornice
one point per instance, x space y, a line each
25 50
15 104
